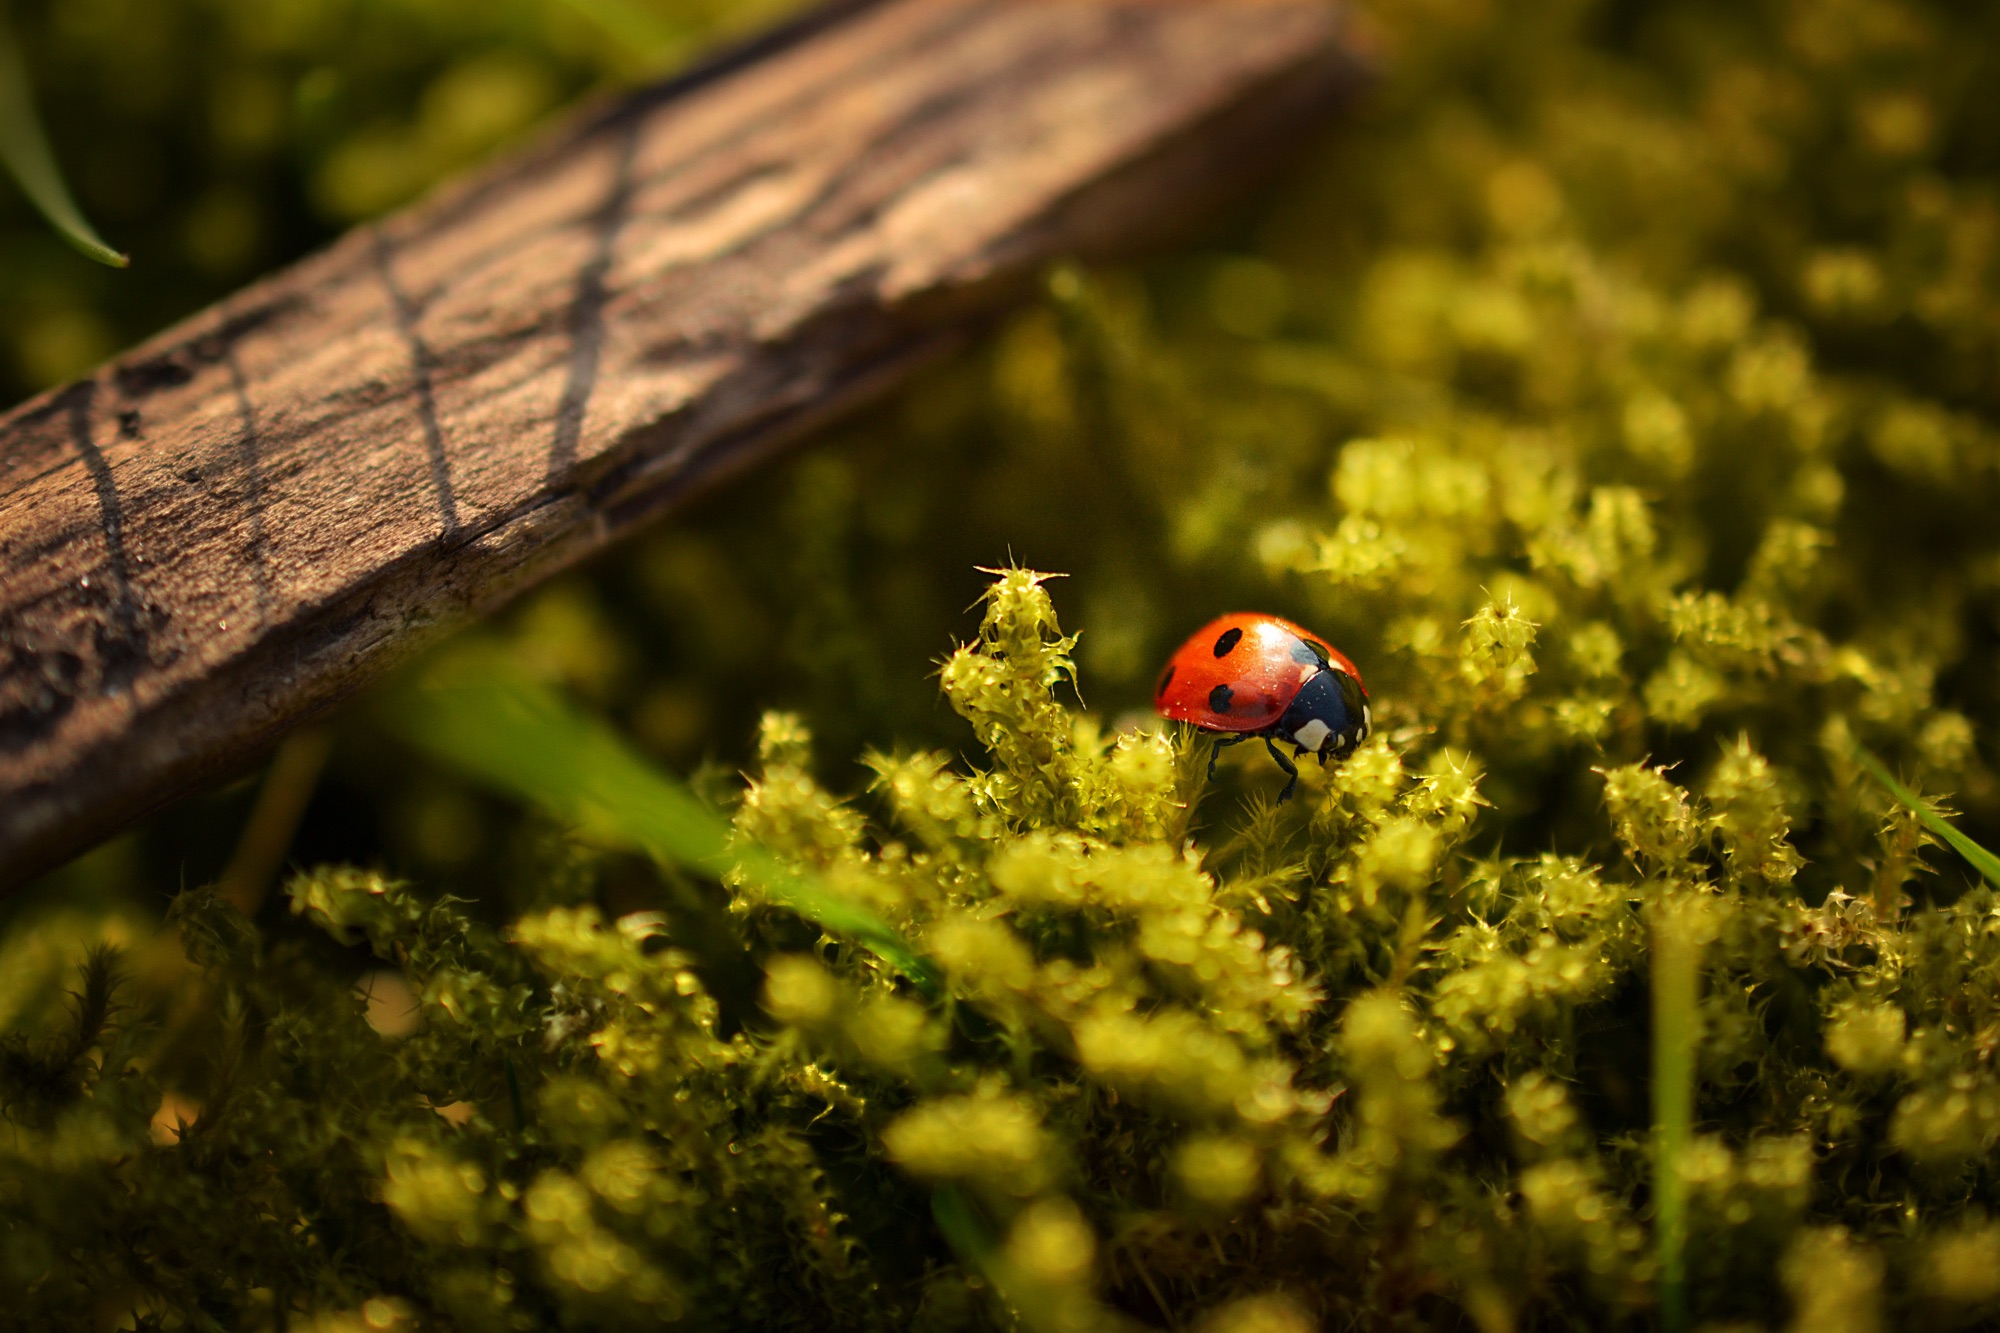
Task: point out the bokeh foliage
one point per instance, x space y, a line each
1617 388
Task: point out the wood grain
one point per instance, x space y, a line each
234 525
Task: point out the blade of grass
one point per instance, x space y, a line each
24 148
1985 862
1678 935
521 738
963 1229
274 819
1035 1307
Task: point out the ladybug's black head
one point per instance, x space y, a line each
1328 716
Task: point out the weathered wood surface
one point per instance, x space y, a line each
235 524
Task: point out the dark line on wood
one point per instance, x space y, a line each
586 322
422 367
111 513
250 446
123 651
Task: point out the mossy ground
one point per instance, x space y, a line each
1620 389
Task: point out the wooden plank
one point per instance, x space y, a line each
237 523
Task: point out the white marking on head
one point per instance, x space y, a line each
1312 735
1367 720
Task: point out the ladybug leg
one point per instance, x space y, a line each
1215 751
1291 771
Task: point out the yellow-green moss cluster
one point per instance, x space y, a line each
1618 390
1342 1069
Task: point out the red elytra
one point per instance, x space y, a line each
1261 666
1250 675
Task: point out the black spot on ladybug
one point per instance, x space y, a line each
1219 698
1166 679
1321 651
1303 654
1230 638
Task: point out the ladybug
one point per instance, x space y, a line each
1247 675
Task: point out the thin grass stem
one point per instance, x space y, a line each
274 820
1678 935
1982 860
518 736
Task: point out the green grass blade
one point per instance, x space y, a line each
1677 930
523 739
1985 862
972 1240
24 148
963 1229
